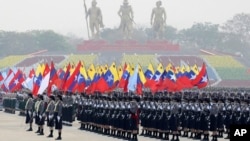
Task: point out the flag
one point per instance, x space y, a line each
120 72
1 76
132 82
91 72
36 84
141 80
16 82
45 81
65 77
149 73
52 79
201 79
123 83
183 80
72 80
155 83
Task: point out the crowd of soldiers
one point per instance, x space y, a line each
51 111
195 114
110 115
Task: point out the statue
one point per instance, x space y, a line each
126 15
158 20
95 20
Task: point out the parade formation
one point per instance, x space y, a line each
166 102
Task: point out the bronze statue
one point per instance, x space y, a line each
95 20
158 20
127 19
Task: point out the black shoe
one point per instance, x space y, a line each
29 129
58 138
40 134
50 136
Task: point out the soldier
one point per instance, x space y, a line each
58 115
41 114
134 117
50 115
213 118
174 119
158 19
126 14
95 20
205 118
36 114
29 111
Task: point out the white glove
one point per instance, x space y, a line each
34 114
30 113
40 116
58 118
44 114
50 117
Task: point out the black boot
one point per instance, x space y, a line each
30 129
135 137
51 134
59 136
177 138
160 135
38 130
173 138
41 132
166 136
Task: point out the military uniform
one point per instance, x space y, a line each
50 114
58 116
29 111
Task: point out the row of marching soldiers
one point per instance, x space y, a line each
45 110
116 116
188 114
193 115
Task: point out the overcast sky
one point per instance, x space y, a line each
67 16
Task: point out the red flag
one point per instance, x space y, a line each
53 78
72 81
201 79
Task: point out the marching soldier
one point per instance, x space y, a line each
29 111
58 115
41 114
213 118
36 115
134 117
50 115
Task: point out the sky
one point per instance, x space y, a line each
68 17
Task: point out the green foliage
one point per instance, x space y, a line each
32 41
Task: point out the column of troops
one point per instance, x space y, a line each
188 114
166 116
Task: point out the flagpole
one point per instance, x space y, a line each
86 17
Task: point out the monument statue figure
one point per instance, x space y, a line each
95 20
158 20
127 18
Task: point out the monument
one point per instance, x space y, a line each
126 43
158 20
95 20
127 18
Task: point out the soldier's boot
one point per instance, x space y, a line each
191 135
128 136
135 137
186 134
166 136
142 132
123 134
41 132
206 137
51 134
199 136
177 138
154 134
220 134
215 138
38 130
30 129
173 137
59 136
195 136
160 135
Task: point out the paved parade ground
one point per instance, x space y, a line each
12 128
